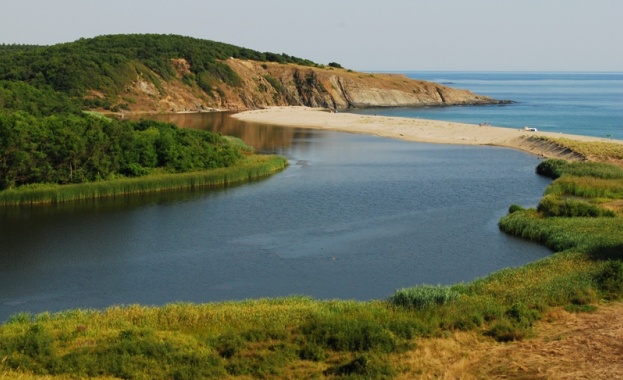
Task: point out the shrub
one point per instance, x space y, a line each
274 82
505 331
515 208
610 279
522 315
552 168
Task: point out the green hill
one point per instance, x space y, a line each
109 64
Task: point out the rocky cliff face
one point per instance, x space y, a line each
265 84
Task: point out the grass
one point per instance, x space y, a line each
253 167
300 337
595 150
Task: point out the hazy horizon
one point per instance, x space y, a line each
363 35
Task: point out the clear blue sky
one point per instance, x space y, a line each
551 35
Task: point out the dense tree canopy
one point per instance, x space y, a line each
73 148
16 96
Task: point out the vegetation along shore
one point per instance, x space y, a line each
491 327
424 331
67 157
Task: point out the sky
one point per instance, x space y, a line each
363 35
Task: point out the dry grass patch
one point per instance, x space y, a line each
611 152
570 346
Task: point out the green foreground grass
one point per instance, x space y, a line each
299 337
252 167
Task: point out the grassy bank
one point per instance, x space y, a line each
300 337
253 167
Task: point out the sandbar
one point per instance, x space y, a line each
420 130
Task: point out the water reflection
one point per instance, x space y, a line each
264 138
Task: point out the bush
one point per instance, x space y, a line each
552 168
610 279
522 315
274 82
515 208
505 331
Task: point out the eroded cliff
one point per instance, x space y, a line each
264 84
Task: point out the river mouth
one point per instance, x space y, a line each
352 217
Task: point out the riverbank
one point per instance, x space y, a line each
252 168
420 130
516 322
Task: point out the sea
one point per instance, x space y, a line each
580 103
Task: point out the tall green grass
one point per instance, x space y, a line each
556 168
552 205
586 187
253 167
422 297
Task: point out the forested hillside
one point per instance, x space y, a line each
99 69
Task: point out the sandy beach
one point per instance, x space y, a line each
421 130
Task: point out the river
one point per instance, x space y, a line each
352 217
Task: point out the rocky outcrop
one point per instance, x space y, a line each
264 84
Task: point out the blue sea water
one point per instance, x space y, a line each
578 103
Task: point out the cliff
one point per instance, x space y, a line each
264 84
168 73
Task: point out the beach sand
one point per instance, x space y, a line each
421 130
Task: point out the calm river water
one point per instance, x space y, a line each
352 217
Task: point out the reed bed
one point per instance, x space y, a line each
556 168
253 167
586 187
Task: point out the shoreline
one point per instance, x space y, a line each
252 168
418 130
